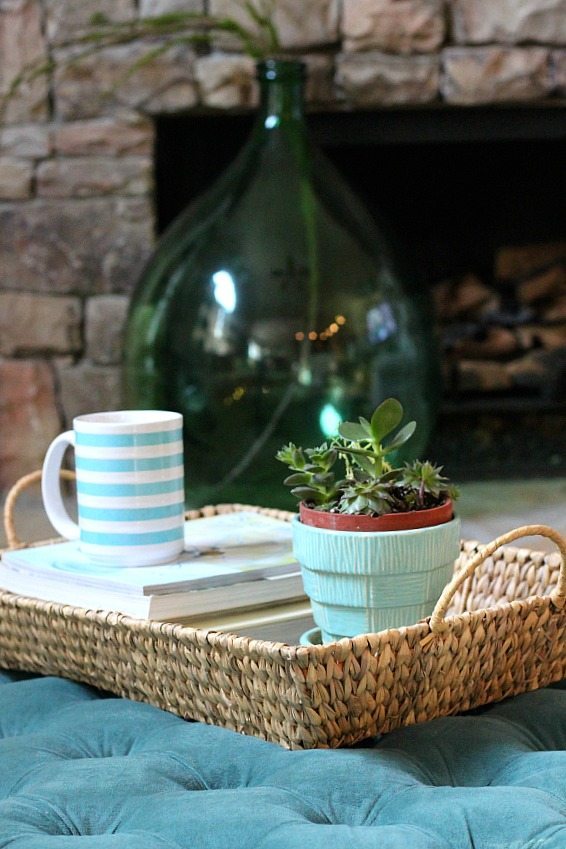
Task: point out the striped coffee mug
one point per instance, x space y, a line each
130 486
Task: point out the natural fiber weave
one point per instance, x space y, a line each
503 636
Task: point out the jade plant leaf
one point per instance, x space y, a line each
386 417
352 431
402 436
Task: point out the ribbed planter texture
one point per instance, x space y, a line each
367 581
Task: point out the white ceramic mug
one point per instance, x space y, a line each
130 486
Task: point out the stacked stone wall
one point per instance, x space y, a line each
76 155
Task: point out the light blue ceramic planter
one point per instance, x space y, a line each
361 582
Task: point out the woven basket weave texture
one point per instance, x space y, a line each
498 630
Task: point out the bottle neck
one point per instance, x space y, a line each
281 86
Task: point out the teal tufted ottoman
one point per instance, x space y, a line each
80 769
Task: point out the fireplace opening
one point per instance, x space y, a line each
477 195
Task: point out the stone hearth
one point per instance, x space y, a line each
77 218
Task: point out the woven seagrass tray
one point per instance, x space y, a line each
498 630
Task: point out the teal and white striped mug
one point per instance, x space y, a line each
130 486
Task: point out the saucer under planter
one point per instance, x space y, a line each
312 637
362 581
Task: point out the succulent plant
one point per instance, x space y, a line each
369 485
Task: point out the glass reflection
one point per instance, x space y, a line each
224 290
329 420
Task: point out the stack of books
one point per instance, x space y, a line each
237 574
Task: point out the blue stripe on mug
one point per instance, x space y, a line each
141 464
128 490
149 538
121 440
131 514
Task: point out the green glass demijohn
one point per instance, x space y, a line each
272 309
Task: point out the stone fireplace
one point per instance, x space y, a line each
397 88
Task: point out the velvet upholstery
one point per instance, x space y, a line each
81 769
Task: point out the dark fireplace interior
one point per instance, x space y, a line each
467 191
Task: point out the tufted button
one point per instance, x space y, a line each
75 764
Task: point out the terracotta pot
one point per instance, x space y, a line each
388 522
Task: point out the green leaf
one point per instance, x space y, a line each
402 436
378 505
330 457
386 417
323 479
357 505
145 59
305 493
392 476
296 479
173 19
352 431
262 16
355 451
322 457
367 427
313 468
291 456
368 465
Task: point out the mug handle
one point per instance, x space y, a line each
51 487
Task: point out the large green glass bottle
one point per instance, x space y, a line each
273 308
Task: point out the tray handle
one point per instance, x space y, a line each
438 623
20 486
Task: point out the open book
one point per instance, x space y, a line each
232 562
